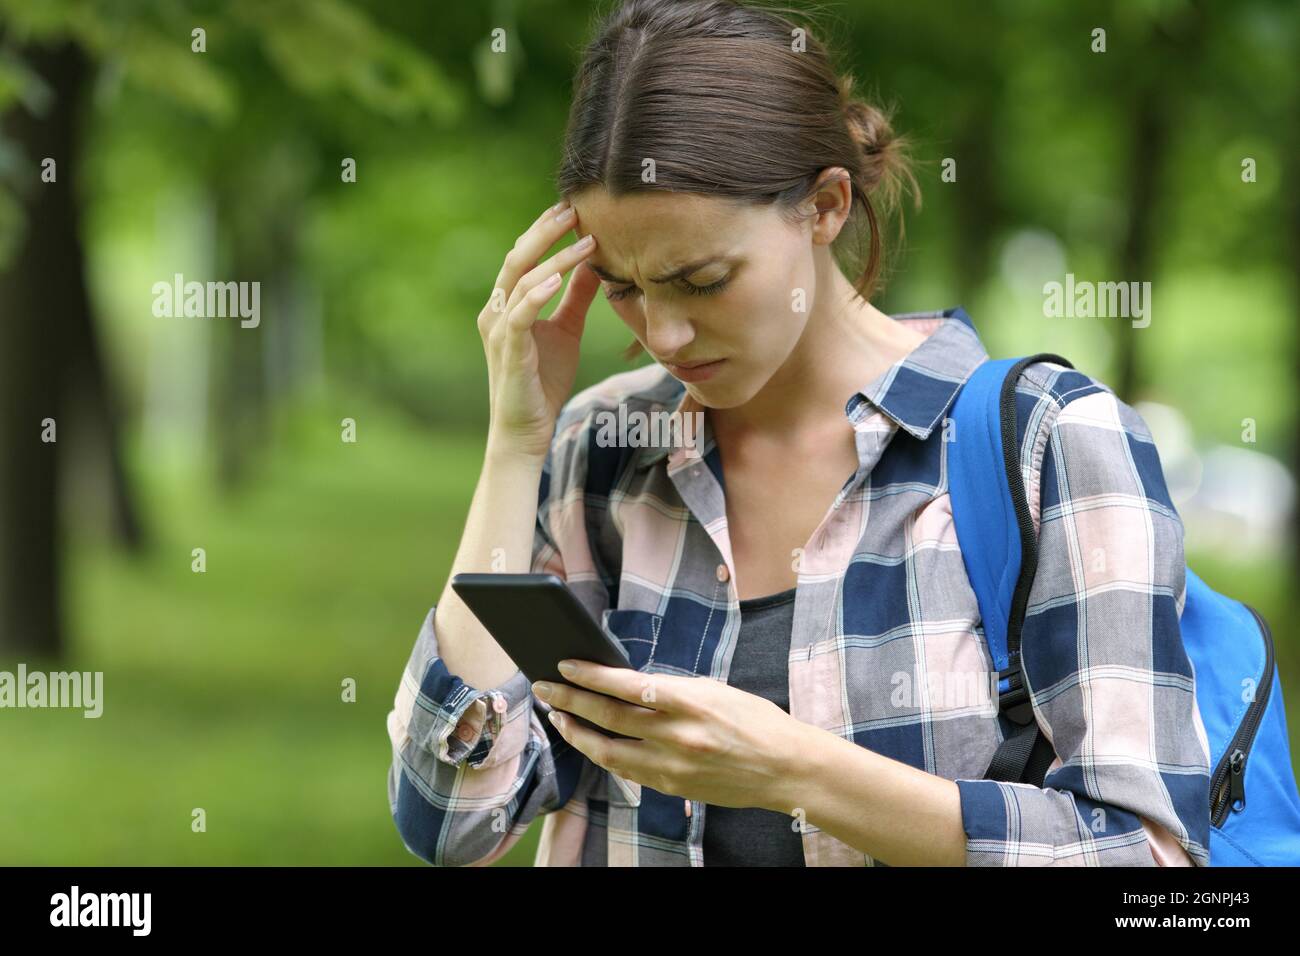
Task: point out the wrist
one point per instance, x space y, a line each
503 453
795 779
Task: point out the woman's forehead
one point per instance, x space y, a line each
598 210
653 230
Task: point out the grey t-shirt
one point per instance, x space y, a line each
751 836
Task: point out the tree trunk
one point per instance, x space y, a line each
41 290
51 365
980 217
1148 148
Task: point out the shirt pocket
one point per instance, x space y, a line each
637 631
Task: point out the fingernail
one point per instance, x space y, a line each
567 216
559 205
542 690
568 668
552 281
586 242
556 719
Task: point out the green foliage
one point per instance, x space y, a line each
321 49
324 48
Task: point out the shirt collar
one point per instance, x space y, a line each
919 388
914 392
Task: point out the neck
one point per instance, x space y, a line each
846 343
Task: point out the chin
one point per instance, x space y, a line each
714 395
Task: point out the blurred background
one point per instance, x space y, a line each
1172 158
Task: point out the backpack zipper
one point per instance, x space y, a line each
1228 786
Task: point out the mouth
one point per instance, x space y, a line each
694 371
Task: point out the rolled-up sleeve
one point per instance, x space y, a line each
448 718
471 767
1111 684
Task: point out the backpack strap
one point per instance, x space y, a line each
999 548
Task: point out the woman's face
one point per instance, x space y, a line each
702 280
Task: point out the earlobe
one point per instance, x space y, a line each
828 224
828 227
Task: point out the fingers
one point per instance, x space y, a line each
561 262
524 314
607 712
606 752
571 313
524 306
660 691
545 231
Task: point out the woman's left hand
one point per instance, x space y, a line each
699 738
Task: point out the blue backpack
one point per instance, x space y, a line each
1254 804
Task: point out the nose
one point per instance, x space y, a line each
667 328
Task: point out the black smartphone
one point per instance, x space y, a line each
539 622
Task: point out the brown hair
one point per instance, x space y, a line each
733 100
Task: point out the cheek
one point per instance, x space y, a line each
769 309
630 314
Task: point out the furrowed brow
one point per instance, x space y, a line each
670 277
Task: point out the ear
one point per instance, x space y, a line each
829 205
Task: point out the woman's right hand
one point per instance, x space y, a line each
532 364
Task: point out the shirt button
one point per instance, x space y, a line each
723 573
498 703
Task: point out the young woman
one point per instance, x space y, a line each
794 600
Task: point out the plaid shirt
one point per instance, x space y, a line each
884 618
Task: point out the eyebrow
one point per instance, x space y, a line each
675 274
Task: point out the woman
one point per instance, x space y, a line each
794 600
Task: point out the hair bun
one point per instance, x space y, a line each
869 127
886 170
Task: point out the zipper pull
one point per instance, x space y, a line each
1237 781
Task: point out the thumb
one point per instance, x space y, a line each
571 313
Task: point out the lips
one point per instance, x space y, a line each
693 364
694 371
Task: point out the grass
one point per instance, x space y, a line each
223 690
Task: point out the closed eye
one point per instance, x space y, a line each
614 295
710 289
